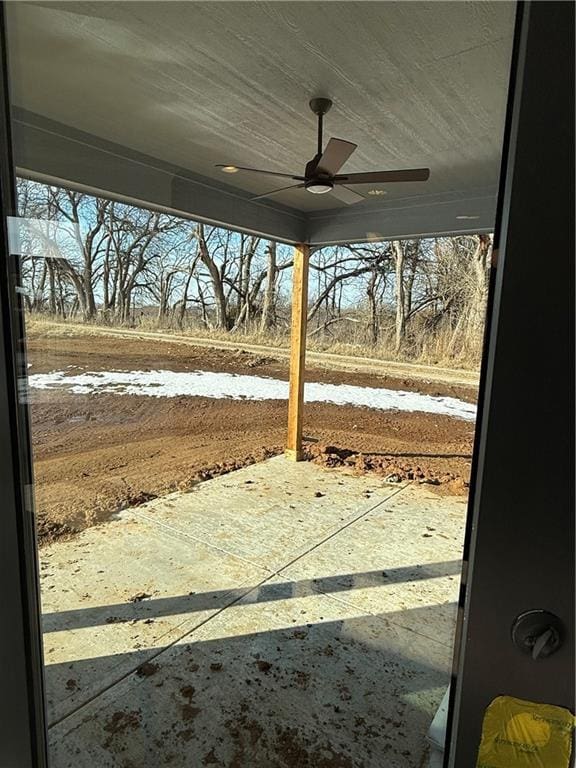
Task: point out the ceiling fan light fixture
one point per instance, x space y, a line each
322 173
319 187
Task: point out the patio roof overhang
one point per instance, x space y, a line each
139 101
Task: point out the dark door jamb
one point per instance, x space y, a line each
23 741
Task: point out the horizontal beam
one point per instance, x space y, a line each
425 216
53 153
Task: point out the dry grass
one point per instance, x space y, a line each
346 339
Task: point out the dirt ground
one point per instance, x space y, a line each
97 454
342 361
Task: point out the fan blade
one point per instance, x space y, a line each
347 196
234 168
334 156
376 177
275 191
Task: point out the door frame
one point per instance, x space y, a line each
23 741
519 544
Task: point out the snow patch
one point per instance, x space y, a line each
242 387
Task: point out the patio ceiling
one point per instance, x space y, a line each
139 100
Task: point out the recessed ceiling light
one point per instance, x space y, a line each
376 192
229 169
467 217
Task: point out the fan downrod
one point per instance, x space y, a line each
320 106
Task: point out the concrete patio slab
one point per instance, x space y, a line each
257 512
282 615
411 556
121 592
295 681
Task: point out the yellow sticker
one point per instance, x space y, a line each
523 734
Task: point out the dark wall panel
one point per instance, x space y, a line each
522 539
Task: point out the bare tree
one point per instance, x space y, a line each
269 301
398 251
222 320
114 261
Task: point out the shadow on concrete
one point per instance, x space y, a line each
150 608
357 692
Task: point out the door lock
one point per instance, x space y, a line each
538 632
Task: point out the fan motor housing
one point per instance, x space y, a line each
320 106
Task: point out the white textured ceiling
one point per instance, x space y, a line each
197 83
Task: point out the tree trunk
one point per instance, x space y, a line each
89 302
184 302
398 251
38 292
51 288
215 279
202 300
65 269
269 303
480 261
165 280
371 293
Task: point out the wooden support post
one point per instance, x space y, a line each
298 350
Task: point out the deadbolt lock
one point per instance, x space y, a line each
538 632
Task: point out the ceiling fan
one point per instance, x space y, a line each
322 175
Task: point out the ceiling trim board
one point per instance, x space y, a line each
49 152
52 153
